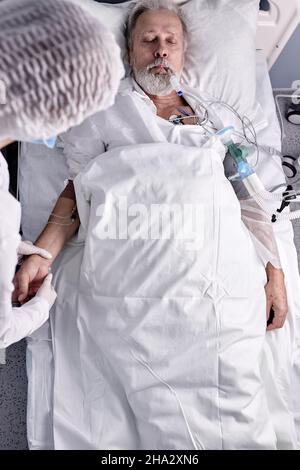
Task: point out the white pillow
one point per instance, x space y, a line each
221 55
220 58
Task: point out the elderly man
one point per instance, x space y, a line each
170 335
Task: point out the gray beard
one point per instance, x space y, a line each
158 85
152 84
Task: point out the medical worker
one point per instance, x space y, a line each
58 65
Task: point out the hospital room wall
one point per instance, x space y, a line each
287 67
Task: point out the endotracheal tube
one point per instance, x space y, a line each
176 85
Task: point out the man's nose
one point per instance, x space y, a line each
161 52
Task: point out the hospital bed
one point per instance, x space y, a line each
43 172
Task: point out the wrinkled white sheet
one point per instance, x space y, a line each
278 349
167 340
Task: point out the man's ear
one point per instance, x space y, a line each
130 60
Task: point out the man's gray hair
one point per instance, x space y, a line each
140 6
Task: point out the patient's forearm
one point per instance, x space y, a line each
273 272
63 223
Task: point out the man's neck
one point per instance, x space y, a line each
167 101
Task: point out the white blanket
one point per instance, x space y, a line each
158 342
66 345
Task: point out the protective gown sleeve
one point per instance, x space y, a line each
255 219
15 323
261 231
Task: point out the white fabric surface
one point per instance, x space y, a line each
129 108
103 396
169 320
262 232
38 194
135 116
4 175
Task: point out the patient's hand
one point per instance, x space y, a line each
30 277
277 305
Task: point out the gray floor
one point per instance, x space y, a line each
13 387
291 148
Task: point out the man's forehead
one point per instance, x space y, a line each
153 31
152 21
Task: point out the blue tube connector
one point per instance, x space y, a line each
238 153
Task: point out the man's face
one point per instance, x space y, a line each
157 50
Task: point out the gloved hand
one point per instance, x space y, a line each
46 291
28 248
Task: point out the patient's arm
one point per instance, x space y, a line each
262 234
62 224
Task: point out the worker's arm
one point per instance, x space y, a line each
62 224
79 145
17 323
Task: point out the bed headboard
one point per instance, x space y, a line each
276 26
